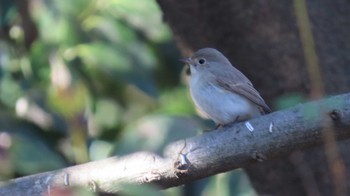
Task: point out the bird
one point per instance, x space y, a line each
220 91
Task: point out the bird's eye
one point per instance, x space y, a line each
201 61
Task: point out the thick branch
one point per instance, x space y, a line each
217 151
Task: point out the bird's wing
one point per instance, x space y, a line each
247 90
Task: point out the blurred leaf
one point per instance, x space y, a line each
143 15
52 29
103 56
7 13
239 183
108 113
177 101
109 29
10 91
68 102
173 191
100 150
79 191
289 100
131 67
101 63
139 190
31 156
153 132
229 183
39 63
73 8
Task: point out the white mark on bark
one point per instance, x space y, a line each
249 126
47 181
271 127
66 179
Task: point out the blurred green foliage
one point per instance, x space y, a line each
289 100
85 79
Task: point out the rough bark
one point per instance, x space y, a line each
233 146
262 39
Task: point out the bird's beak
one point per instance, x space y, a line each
186 60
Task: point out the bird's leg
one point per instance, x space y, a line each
223 125
219 126
236 120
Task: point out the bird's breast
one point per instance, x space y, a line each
219 104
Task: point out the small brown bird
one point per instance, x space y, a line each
221 91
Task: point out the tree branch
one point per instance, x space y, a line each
227 148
